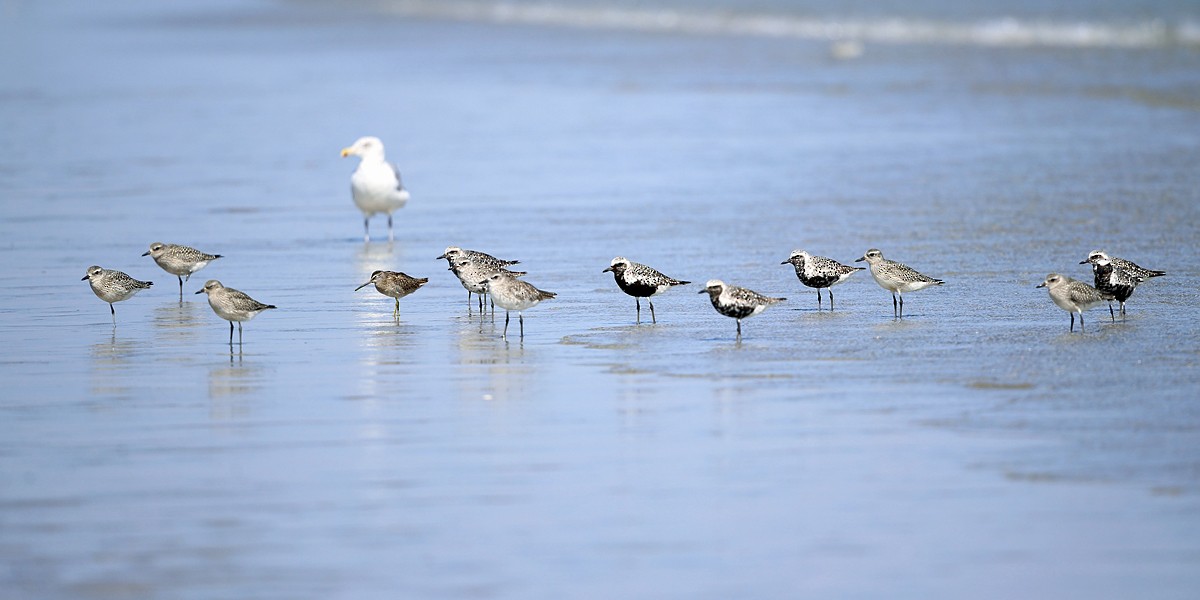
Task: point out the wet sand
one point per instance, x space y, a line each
975 448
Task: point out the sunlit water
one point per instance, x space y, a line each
975 448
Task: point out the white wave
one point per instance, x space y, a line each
1006 32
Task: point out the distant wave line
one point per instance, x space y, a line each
1000 32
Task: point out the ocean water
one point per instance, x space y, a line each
976 448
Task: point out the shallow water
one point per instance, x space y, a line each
975 448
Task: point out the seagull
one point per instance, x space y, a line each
375 184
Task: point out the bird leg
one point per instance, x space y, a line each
505 334
638 302
180 288
231 334
114 312
894 313
818 298
521 320
901 306
397 311
652 319
367 230
239 333
390 237
739 323
830 298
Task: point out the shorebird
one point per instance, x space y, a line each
640 281
1073 296
375 185
485 263
232 305
395 285
896 278
180 261
113 286
1110 279
736 302
513 294
1125 265
819 272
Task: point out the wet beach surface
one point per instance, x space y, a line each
974 448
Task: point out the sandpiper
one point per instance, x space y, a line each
896 278
180 261
484 262
1125 265
640 281
113 286
1073 296
819 272
375 185
736 302
232 305
513 294
394 285
1110 279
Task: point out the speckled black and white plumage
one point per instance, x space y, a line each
736 302
113 286
896 278
180 261
482 265
394 284
232 305
1073 296
819 272
641 281
1125 265
511 294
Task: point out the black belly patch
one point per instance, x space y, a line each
820 281
637 289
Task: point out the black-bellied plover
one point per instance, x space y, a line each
484 264
1073 296
375 185
819 272
232 305
736 302
394 284
1125 265
513 294
180 261
640 281
1110 279
113 286
896 278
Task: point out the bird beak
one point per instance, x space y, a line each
345 152
484 282
85 278
860 259
703 291
440 257
362 286
607 270
1042 284
200 291
147 253
785 262
1083 262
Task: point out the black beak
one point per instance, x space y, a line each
860 259
1042 284
440 257
362 286
484 282
146 253
608 270
703 291
85 278
200 291
786 262
1083 262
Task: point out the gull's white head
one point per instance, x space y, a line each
365 147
